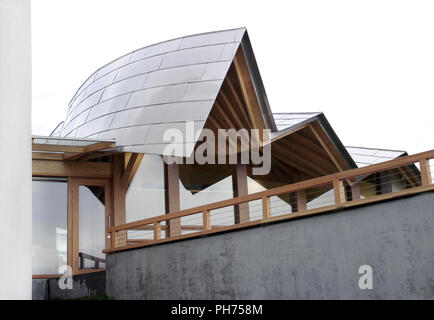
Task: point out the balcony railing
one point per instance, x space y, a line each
386 180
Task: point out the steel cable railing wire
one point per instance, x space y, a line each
225 216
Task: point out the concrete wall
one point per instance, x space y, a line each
15 151
84 285
312 258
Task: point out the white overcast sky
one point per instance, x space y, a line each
368 65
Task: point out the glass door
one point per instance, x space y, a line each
90 219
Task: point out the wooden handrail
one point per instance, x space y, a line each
83 256
333 180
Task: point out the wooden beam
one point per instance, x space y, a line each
235 115
317 158
240 106
425 172
299 162
47 156
239 183
99 146
172 198
409 177
50 168
248 90
327 145
57 148
131 169
119 205
98 154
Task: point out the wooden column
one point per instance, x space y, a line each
383 182
119 210
339 191
266 207
355 191
171 176
301 200
425 172
239 184
72 226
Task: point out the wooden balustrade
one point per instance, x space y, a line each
337 182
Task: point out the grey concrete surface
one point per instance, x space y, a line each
311 258
84 285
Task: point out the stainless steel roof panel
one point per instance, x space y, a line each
285 120
204 90
125 86
216 70
192 56
126 136
157 87
159 95
100 83
115 104
113 66
141 66
368 156
229 51
156 49
95 126
139 116
211 38
174 75
188 111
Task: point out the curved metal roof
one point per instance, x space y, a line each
136 97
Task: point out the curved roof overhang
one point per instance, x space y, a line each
211 80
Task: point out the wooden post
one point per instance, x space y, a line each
301 200
119 210
425 172
293 201
239 184
172 198
338 186
266 207
206 220
72 226
383 182
157 230
355 191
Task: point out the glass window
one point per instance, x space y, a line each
278 204
146 194
49 239
205 192
91 223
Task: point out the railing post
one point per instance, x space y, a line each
113 239
301 200
338 186
266 207
206 220
425 172
157 230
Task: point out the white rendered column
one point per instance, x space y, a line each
15 151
